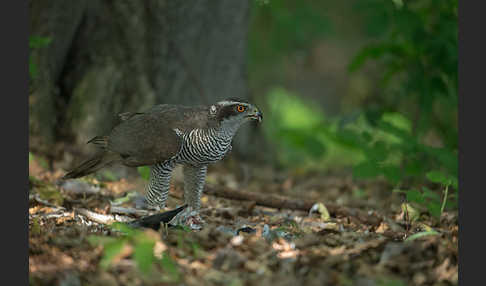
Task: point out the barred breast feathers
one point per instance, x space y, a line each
203 145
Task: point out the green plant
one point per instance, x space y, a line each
421 234
446 181
416 48
404 128
143 250
144 171
403 160
417 51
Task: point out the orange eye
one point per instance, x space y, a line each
240 108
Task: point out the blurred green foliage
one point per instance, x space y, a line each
418 55
141 243
302 135
417 51
144 171
143 252
36 42
405 130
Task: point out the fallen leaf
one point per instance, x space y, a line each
321 208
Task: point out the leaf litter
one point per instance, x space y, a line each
242 242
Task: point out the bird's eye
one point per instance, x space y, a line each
240 108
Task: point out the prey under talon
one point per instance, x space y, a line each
189 218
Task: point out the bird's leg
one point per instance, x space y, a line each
194 178
159 184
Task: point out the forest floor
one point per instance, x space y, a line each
361 242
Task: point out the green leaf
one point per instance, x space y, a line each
372 51
434 209
445 157
451 203
428 193
124 228
414 167
125 199
36 228
454 182
378 152
366 136
392 173
144 171
349 138
111 249
144 255
96 240
108 176
170 266
399 132
51 193
421 234
415 196
197 250
413 214
321 208
398 120
366 169
302 140
437 177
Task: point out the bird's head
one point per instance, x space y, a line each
234 112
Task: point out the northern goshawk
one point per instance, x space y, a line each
167 135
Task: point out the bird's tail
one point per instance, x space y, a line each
92 165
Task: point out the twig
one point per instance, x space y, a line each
37 198
101 218
281 202
445 199
407 218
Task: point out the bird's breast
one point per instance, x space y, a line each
200 146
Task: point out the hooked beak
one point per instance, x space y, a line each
256 115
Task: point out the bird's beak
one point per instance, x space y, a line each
256 115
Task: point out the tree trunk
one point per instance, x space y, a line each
107 57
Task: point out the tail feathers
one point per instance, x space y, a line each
92 165
101 141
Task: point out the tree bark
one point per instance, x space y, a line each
107 57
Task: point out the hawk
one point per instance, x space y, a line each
167 135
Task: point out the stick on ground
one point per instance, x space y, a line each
281 202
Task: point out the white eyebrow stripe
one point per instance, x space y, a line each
226 102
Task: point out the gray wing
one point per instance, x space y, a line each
144 139
148 138
184 118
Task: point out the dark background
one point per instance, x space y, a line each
328 76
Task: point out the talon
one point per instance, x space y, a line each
189 218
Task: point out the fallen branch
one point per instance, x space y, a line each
102 218
281 202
